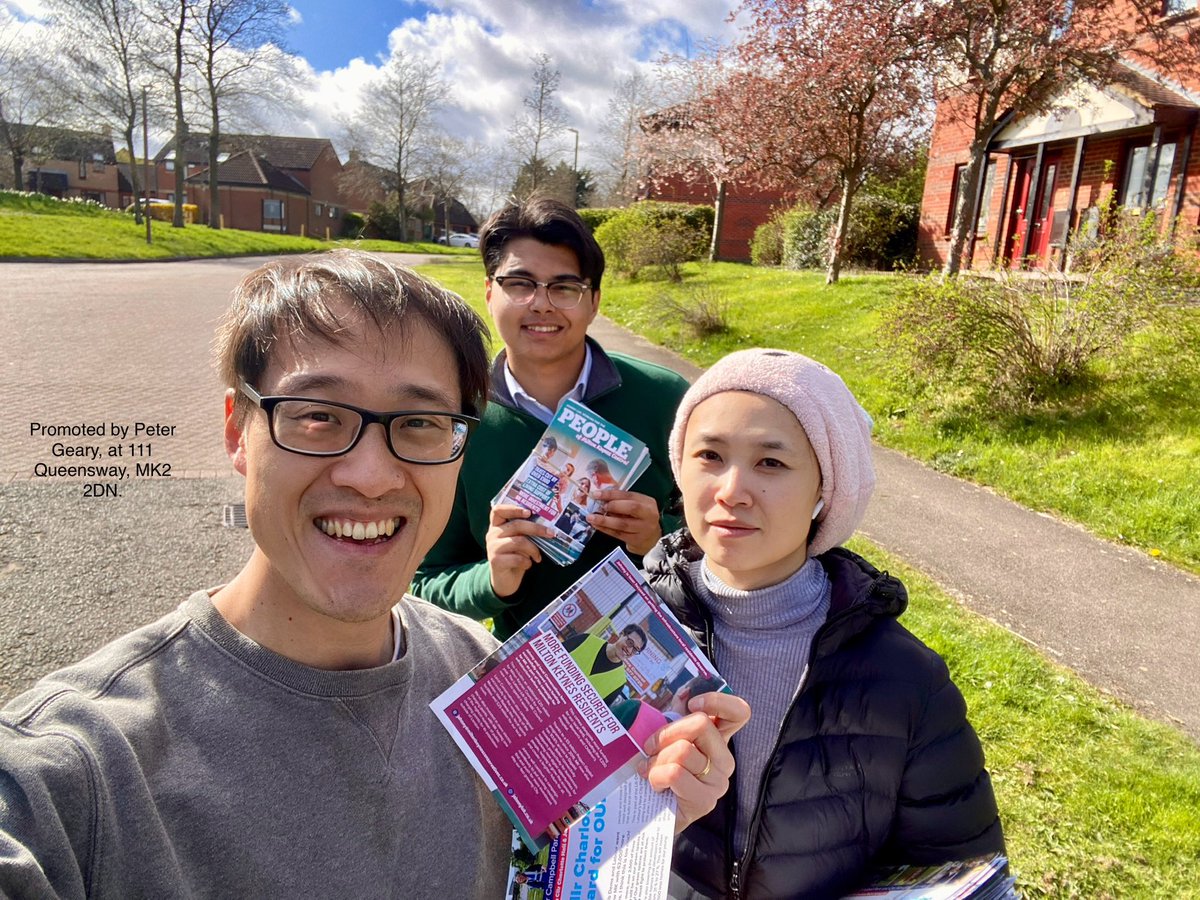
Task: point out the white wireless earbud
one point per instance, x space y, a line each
817 509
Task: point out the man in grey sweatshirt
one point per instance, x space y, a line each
271 737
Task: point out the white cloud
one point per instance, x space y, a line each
294 16
486 50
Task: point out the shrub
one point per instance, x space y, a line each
593 218
766 247
882 234
659 235
1016 340
353 224
382 223
806 237
703 310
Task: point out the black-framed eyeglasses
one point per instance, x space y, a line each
521 290
314 427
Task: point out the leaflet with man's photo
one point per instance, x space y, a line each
555 719
579 454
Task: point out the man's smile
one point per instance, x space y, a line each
349 529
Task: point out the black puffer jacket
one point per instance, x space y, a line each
875 763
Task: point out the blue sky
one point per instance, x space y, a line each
484 50
332 32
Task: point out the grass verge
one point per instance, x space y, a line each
1096 801
34 227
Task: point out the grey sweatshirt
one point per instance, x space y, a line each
185 760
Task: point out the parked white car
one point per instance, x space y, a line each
459 239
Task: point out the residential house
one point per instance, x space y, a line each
266 183
1130 142
65 163
364 183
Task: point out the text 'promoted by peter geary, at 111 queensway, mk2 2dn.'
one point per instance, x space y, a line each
102 454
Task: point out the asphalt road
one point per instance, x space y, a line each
104 344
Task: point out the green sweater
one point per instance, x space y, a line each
637 396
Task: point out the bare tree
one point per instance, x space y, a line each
170 18
29 99
535 131
235 46
633 98
396 120
444 161
104 41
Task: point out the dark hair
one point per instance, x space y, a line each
545 220
636 629
293 298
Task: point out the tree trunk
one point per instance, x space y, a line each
834 269
180 121
964 213
714 243
134 180
214 192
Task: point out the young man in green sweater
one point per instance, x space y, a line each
543 290
272 737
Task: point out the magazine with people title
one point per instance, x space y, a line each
579 454
982 878
555 719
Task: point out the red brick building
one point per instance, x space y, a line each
745 209
1050 175
64 163
288 185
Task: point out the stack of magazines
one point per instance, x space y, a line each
984 878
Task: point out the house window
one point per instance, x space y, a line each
320 209
1137 162
169 164
955 183
82 169
97 162
333 212
985 199
272 215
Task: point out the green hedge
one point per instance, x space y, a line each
653 234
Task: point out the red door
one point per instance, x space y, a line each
1032 214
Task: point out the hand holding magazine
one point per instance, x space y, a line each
555 719
579 454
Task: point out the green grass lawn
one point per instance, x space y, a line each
42 228
1096 801
1126 464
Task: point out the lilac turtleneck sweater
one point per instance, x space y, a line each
761 644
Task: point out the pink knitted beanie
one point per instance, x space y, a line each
838 428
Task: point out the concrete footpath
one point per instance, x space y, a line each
1128 624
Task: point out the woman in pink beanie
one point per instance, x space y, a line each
858 752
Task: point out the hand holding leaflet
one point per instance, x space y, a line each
548 720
